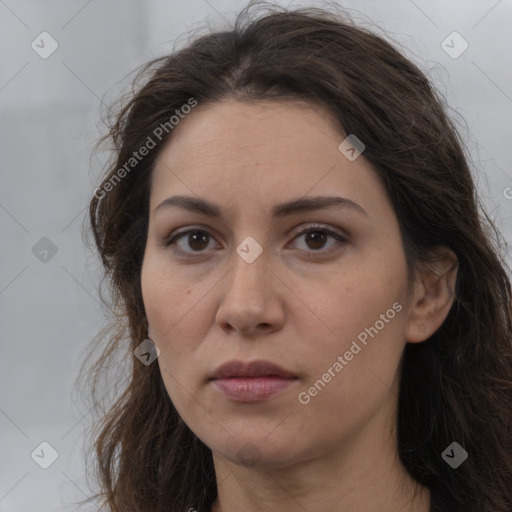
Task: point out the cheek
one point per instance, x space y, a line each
366 316
365 298
174 313
355 371
169 299
179 309
365 343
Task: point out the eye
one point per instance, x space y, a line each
316 237
196 239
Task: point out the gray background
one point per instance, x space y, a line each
49 121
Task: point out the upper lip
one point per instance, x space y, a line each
258 368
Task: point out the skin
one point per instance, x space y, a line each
300 304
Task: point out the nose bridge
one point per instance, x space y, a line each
247 297
249 267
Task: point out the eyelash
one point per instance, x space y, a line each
315 228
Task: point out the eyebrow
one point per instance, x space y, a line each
303 204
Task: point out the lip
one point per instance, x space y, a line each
253 381
250 369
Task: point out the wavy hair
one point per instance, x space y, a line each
455 386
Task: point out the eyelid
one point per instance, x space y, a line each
304 228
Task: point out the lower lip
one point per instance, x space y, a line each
252 389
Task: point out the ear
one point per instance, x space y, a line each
432 297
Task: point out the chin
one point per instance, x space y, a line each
257 451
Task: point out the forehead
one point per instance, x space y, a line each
263 151
261 130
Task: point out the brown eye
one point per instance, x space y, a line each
198 240
190 241
315 239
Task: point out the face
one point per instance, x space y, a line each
316 287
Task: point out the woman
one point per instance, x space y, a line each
319 317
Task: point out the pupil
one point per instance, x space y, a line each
317 238
197 236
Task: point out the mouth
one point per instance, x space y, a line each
254 381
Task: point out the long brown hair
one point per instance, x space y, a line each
455 387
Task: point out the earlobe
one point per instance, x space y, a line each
433 296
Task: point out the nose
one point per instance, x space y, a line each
251 299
